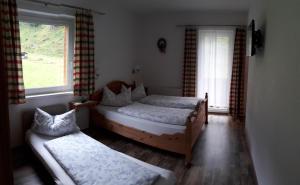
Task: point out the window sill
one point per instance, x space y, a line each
49 94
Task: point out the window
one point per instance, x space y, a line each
215 56
47 53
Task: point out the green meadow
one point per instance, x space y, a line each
43 66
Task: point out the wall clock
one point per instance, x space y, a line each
162 45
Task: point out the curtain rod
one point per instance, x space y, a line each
46 3
210 25
21 10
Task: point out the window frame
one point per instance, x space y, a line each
53 19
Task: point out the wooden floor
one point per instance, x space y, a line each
220 157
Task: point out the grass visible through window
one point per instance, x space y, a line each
43 55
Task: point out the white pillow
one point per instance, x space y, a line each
111 99
58 125
125 89
138 93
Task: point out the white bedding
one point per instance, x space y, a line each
88 162
37 141
152 127
171 101
166 115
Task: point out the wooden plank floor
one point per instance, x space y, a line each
220 157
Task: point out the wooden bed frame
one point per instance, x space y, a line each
181 143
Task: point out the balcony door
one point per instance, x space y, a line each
215 52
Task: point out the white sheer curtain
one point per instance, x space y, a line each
215 52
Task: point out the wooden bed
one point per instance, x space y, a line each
181 143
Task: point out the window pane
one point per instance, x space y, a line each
43 55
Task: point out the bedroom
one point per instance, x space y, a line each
126 48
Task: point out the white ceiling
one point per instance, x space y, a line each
147 6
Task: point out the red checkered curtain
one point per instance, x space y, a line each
190 62
84 69
6 176
236 104
10 33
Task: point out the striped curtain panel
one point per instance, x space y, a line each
236 102
6 176
10 33
84 69
190 62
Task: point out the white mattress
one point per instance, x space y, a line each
37 141
152 127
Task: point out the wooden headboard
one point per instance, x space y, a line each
28 115
114 86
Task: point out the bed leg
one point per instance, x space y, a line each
189 141
188 159
188 149
206 109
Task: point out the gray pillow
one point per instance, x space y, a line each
111 99
138 93
58 125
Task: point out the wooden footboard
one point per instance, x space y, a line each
171 142
194 126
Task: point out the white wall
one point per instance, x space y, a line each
115 43
162 73
272 120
